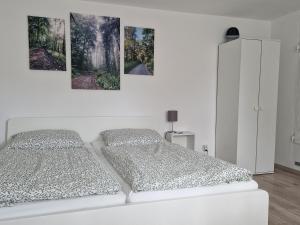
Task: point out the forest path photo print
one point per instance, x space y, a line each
139 51
95 52
47 49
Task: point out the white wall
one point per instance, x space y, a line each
287 30
185 67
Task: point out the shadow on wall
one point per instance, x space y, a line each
5 135
4 142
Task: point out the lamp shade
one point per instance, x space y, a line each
172 115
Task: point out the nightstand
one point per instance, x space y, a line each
183 138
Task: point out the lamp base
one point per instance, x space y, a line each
174 132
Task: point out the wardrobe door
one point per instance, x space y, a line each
268 106
228 100
248 104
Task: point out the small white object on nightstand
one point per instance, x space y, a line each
183 138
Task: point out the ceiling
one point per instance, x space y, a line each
254 9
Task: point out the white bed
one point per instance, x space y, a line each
39 208
150 196
247 207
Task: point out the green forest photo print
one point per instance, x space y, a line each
95 52
47 46
139 51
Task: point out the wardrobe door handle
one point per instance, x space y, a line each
255 108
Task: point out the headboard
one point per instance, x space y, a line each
88 127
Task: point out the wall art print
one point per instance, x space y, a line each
138 51
95 52
47 45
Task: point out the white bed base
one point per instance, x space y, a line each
239 208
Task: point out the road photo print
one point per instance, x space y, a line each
138 51
95 52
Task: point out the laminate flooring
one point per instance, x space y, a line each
284 190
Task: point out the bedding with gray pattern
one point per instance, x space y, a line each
130 136
28 175
46 139
169 166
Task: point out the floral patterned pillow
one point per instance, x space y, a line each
129 136
46 139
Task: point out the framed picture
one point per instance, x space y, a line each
139 51
95 52
47 45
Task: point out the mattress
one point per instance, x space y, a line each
148 196
47 207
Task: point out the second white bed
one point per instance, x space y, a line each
148 196
47 207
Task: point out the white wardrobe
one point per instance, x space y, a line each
247 103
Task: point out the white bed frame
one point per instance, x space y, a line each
239 208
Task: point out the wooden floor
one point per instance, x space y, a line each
284 191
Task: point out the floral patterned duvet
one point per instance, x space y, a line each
169 166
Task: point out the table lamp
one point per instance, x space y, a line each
172 117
